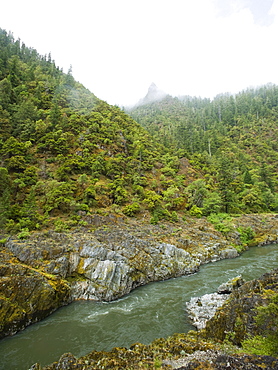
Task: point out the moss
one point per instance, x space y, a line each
260 345
80 268
141 356
28 295
75 277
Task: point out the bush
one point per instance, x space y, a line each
196 211
266 343
24 234
259 345
246 234
221 222
131 209
160 213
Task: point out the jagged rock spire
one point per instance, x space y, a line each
153 94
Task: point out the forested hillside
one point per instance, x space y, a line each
232 140
66 155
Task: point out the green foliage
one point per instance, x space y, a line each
24 234
131 209
118 191
196 193
221 222
259 345
212 203
195 211
172 197
152 199
4 180
266 343
230 141
168 171
57 195
159 213
61 226
246 234
64 152
5 207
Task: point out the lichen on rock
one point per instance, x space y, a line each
194 350
201 309
106 262
235 319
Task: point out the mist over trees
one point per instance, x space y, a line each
231 140
66 155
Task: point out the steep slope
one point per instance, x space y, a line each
66 154
231 139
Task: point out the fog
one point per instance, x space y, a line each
118 48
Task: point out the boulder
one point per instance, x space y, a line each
229 286
201 309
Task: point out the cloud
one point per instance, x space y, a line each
260 10
117 48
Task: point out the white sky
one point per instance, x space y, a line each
117 48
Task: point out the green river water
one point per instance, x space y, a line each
149 312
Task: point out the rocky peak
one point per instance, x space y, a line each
153 94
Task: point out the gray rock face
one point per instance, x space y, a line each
110 274
201 309
108 259
108 264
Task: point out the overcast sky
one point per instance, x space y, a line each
117 48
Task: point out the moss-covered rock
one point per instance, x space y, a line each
235 319
27 295
105 262
194 350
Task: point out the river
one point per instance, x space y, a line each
149 312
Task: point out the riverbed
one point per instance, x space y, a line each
149 312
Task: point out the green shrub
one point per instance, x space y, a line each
196 211
246 234
259 345
60 226
266 343
131 209
221 222
159 213
24 234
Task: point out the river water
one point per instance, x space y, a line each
149 312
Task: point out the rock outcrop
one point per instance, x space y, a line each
235 319
27 295
201 309
217 360
106 261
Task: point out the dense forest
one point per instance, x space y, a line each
66 155
231 140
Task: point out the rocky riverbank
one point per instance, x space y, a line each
196 350
235 320
108 260
201 309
